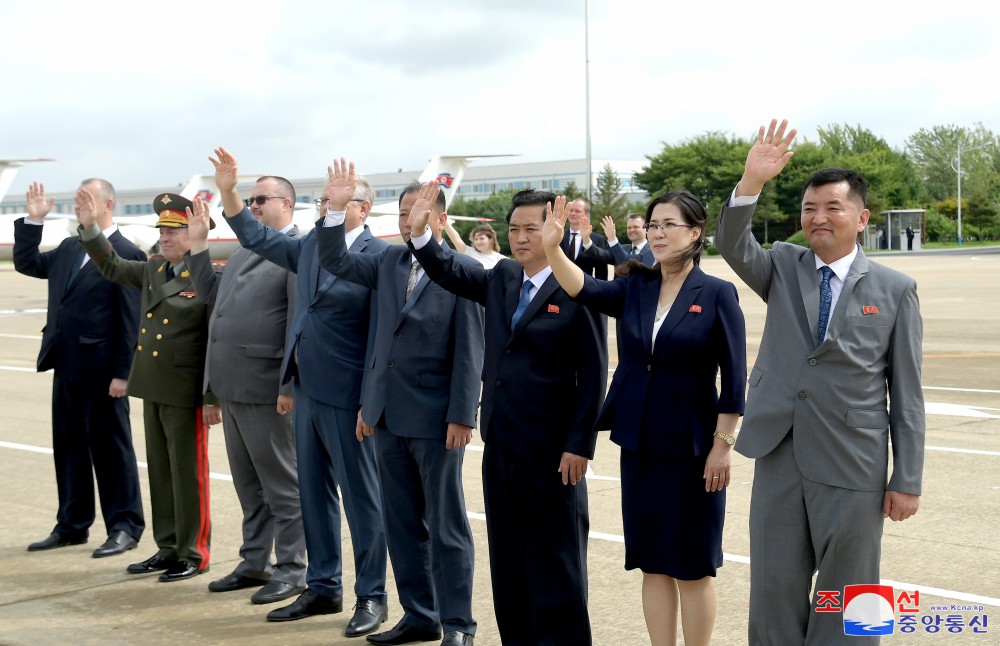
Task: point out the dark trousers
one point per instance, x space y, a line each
92 436
330 456
537 529
177 453
430 541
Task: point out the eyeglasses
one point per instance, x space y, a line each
322 201
260 199
665 226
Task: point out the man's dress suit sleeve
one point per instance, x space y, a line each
359 268
267 243
291 290
467 362
28 260
204 277
735 242
618 254
597 258
907 421
468 281
127 303
591 376
113 267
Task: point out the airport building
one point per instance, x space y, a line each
480 181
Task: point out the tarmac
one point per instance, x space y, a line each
947 551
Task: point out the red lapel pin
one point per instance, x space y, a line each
695 308
553 309
869 309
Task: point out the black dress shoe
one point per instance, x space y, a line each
368 616
180 571
154 563
308 604
234 581
54 540
275 591
118 543
455 638
403 633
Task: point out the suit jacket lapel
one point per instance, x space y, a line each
75 268
648 298
540 298
857 271
162 288
809 287
682 302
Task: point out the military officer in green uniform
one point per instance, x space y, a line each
167 373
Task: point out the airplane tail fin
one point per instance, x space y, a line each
448 171
9 168
203 185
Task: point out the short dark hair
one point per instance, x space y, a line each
283 185
635 216
530 197
415 186
857 185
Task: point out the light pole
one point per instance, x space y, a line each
957 167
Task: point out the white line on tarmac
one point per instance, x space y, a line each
963 390
21 336
617 538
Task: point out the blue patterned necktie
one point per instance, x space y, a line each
522 304
825 300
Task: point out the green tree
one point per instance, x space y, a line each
494 208
573 192
933 152
609 200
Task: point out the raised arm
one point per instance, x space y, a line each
263 241
455 237
569 275
111 265
28 260
334 256
733 237
469 282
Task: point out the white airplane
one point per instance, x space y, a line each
447 171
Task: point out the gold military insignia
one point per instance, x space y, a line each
166 200
185 274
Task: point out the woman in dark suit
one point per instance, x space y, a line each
679 329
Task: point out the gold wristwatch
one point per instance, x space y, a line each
728 439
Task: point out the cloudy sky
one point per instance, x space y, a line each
140 93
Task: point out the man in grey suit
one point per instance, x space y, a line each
250 321
328 346
421 400
841 333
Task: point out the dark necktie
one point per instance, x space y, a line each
522 304
169 272
635 252
825 300
572 245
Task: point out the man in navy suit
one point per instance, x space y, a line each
637 249
544 377
329 342
421 402
88 341
587 249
